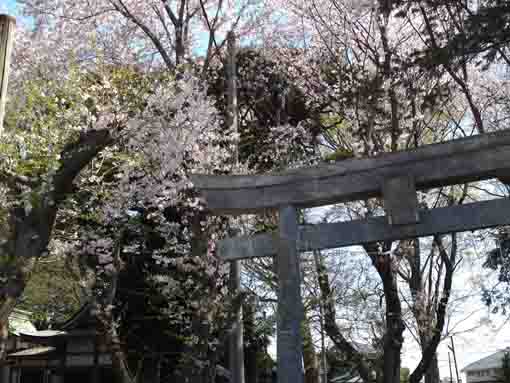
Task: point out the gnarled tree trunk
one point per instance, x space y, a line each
30 232
4 337
393 339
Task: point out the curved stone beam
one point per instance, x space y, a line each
464 160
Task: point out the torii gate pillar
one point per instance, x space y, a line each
290 307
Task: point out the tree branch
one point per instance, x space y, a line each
430 350
124 11
76 156
14 181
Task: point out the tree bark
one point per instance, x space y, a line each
30 233
120 366
251 346
4 337
251 369
332 328
119 359
309 355
429 350
393 339
462 83
421 311
432 374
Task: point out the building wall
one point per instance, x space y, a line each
80 345
484 376
4 373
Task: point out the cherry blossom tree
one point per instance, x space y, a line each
87 121
168 32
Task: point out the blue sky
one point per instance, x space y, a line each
9 6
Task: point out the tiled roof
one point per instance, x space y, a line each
33 352
19 321
347 377
491 361
44 333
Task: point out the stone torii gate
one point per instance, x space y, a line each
394 176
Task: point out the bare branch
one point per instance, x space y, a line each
124 11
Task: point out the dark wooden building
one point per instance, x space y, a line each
72 352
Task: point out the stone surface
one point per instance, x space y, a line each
465 160
290 308
473 216
400 201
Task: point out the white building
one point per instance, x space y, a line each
486 370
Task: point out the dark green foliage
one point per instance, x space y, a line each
487 32
257 330
53 293
404 374
338 365
463 31
257 327
339 155
266 98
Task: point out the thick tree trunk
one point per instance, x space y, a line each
412 252
251 372
120 365
180 50
30 233
4 337
432 374
119 359
309 355
393 339
430 348
251 347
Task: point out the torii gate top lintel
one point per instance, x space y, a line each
454 162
